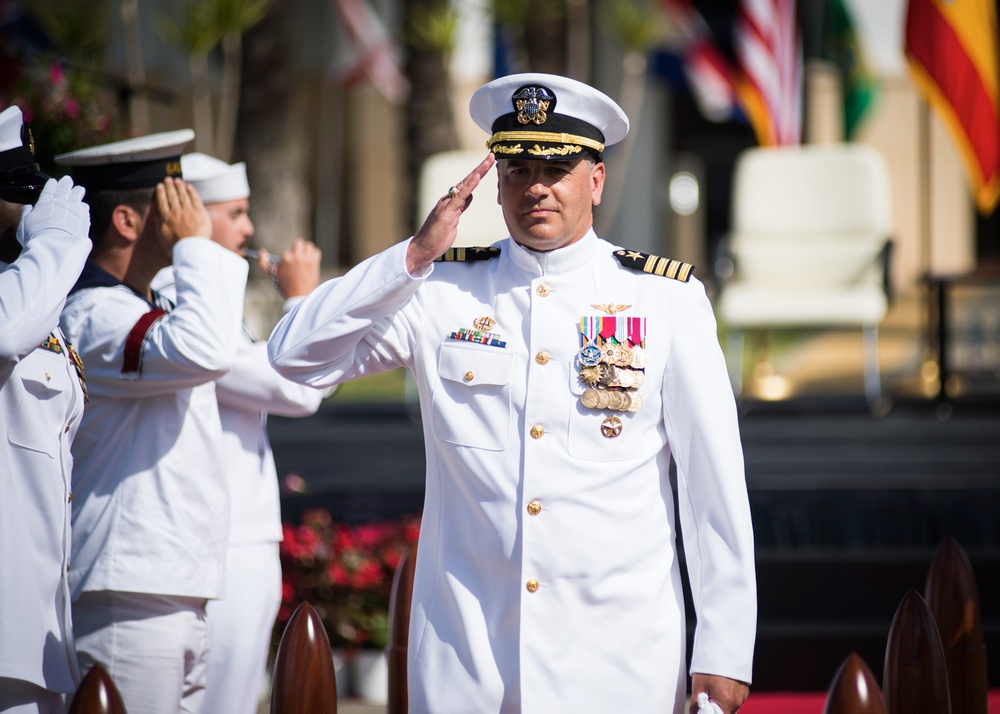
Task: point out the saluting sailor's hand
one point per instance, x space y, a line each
59 207
440 228
182 214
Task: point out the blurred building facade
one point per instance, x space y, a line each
330 166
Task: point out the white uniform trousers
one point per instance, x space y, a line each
155 647
18 696
241 625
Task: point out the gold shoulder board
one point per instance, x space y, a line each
466 255
648 263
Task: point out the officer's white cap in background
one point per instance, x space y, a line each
21 179
215 180
545 116
132 163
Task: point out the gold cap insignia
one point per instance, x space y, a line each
531 104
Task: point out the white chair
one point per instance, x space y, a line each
810 244
482 223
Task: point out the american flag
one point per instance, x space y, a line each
769 51
709 72
764 83
374 57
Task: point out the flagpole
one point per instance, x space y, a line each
924 171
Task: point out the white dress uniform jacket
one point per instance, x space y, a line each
246 395
547 578
41 401
150 506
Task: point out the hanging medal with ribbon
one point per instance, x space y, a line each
612 361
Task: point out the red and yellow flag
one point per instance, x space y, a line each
951 48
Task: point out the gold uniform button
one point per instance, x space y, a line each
48 377
469 376
543 290
535 507
537 431
532 585
70 499
542 357
66 430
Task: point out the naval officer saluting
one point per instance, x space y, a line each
150 506
42 250
558 375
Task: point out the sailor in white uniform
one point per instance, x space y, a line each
559 374
151 502
41 400
242 621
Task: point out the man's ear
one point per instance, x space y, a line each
127 222
597 176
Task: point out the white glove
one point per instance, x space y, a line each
59 207
706 706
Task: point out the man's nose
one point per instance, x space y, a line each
536 187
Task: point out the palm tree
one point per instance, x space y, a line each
135 68
202 26
232 19
267 136
430 123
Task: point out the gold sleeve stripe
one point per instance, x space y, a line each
549 137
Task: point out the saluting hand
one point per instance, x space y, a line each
439 230
181 211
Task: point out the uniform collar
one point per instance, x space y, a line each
562 260
95 277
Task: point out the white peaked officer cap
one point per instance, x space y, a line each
21 179
11 121
215 180
545 116
133 163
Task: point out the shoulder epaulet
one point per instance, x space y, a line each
466 255
649 263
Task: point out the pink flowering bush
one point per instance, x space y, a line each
64 109
345 572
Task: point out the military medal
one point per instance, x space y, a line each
612 361
480 333
77 361
52 344
611 427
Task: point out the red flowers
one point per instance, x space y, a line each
345 572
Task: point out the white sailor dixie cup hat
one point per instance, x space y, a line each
133 163
21 179
545 116
215 180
